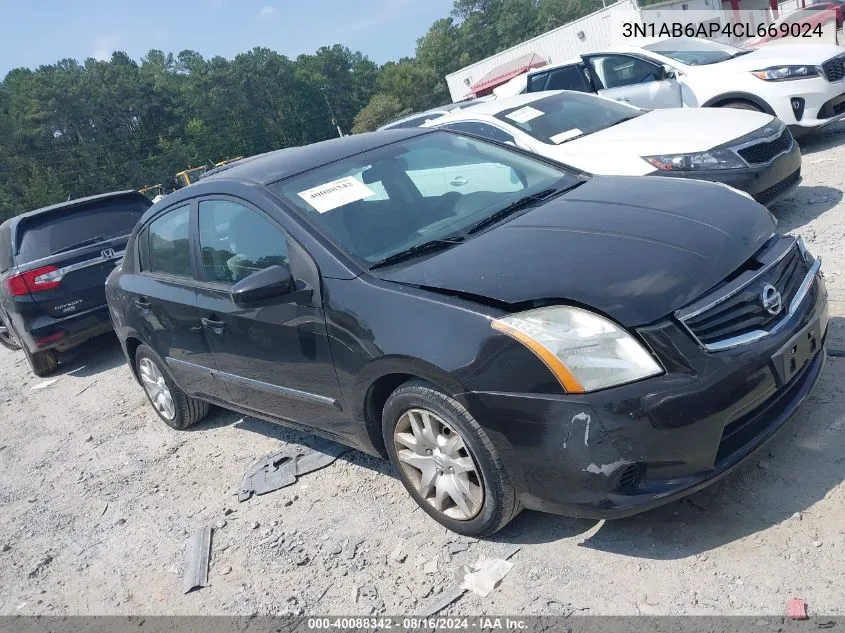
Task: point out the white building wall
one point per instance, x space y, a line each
555 46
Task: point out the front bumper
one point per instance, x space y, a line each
628 449
818 98
767 183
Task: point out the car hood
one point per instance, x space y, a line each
668 131
635 248
779 55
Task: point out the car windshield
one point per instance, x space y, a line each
420 190
695 52
562 117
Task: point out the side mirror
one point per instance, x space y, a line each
274 281
669 72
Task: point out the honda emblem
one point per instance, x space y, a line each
108 253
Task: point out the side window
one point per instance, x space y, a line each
167 244
568 78
236 241
483 130
615 71
537 83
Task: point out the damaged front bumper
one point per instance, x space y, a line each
624 450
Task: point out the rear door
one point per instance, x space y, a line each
573 77
633 79
163 296
67 255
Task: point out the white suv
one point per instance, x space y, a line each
803 85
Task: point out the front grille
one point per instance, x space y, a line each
834 69
629 478
766 151
743 312
777 189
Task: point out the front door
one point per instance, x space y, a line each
273 355
634 80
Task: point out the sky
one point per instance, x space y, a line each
37 32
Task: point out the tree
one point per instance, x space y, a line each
381 109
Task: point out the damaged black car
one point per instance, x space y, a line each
510 332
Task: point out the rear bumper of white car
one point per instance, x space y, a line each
810 103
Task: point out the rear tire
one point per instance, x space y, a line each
741 105
176 408
462 461
42 363
7 337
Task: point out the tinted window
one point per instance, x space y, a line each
167 240
237 242
52 232
569 78
562 117
429 186
481 129
615 71
537 83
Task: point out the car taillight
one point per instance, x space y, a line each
38 280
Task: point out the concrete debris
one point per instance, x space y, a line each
763 464
227 511
397 555
366 591
120 521
798 516
430 567
457 547
350 547
817 543
255 525
40 565
226 571
485 575
196 563
220 524
6 547
281 469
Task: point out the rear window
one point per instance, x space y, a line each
569 78
63 229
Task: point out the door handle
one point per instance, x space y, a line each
458 181
214 325
624 99
142 305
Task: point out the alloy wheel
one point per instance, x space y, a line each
156 388
436 460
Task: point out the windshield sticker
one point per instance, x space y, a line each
524 115
557 139
336 193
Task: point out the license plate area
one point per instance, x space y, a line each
792 357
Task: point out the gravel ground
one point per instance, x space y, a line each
98 498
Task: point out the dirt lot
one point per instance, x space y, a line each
98 498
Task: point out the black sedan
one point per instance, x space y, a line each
510 333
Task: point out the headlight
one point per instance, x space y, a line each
785 73
714 159
583 350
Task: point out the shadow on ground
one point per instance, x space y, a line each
95 356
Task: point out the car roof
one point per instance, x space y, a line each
272 166
415 115
492 108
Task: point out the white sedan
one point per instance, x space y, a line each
751 151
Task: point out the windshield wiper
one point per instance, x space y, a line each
513 207
426 247
90 240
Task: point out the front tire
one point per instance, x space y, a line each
446 461
171 404
741 105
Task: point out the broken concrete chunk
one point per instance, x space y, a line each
397 555
458 546
351 546
430 567
40 565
